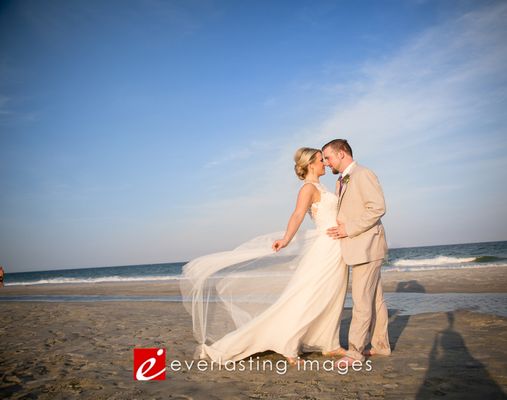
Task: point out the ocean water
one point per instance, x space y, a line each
452 256
471 255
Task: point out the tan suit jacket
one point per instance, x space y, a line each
360 206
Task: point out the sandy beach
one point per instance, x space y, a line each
65 350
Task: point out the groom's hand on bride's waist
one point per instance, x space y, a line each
337 232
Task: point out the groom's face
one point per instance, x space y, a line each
333 160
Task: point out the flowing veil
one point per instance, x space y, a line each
223 291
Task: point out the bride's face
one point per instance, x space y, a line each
318 166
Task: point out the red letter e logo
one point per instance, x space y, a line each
149 364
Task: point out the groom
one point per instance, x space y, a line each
360 207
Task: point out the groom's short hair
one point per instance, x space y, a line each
339 144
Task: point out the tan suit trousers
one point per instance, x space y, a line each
369 312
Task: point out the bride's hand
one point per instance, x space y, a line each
279 244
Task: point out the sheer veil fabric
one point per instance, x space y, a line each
251 299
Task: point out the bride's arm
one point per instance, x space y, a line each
304 201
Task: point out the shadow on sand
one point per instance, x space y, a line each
454 371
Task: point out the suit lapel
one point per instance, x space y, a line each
344 188
345 185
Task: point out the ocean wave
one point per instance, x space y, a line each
440 260
441 267
404 265
96 280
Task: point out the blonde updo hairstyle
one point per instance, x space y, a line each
303 158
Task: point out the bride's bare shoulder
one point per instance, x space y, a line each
308 188
308 193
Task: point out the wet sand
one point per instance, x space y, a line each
85 350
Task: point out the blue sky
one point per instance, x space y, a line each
155 131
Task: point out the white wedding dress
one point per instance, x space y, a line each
251 300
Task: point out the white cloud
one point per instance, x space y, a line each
231 155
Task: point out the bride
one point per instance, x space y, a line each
255 298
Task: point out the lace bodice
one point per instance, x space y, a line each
325 211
